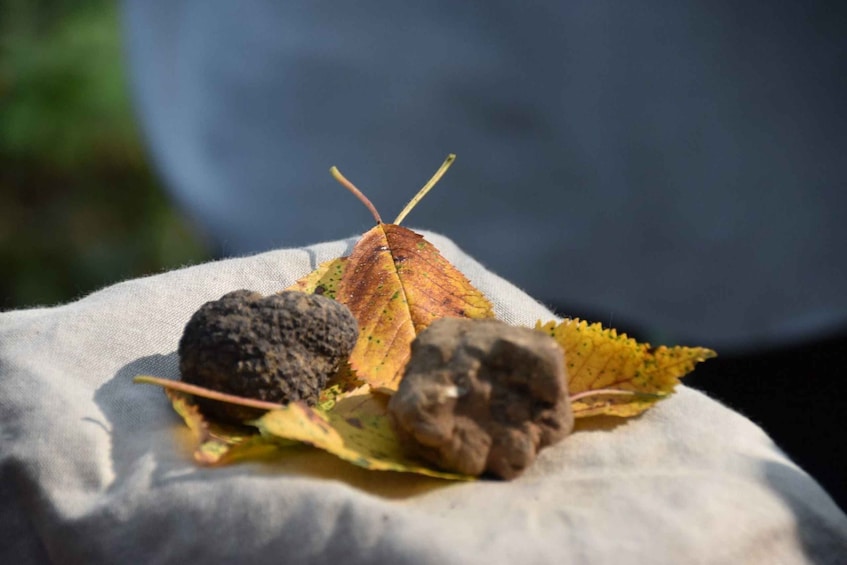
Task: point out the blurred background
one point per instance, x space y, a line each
677 172
80 206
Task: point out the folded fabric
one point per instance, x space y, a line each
96 469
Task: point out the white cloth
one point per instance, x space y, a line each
96 469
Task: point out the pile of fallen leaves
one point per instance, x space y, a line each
396 284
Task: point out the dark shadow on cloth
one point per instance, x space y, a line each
598 424
20 540
823 540
139 417
796 394
143 425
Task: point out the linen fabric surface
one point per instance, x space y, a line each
96 469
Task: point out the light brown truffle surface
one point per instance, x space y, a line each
481 396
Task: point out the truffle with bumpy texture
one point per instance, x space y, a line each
481 396
280 348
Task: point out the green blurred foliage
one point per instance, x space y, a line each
79 204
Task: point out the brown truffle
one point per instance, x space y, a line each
279 348
480 396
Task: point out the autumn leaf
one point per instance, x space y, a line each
353 426
218 444
338 385
599 359
357 430
395 283
323 280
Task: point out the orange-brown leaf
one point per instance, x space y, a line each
396 283
598 358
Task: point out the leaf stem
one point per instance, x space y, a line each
207 393
336 174
611 391
426 188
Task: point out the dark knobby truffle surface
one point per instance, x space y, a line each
278 348
480 396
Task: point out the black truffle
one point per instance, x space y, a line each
279 348
480 396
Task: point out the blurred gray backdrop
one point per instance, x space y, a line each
674 165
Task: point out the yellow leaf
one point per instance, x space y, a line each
357 430
323 280
601 359
218 444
